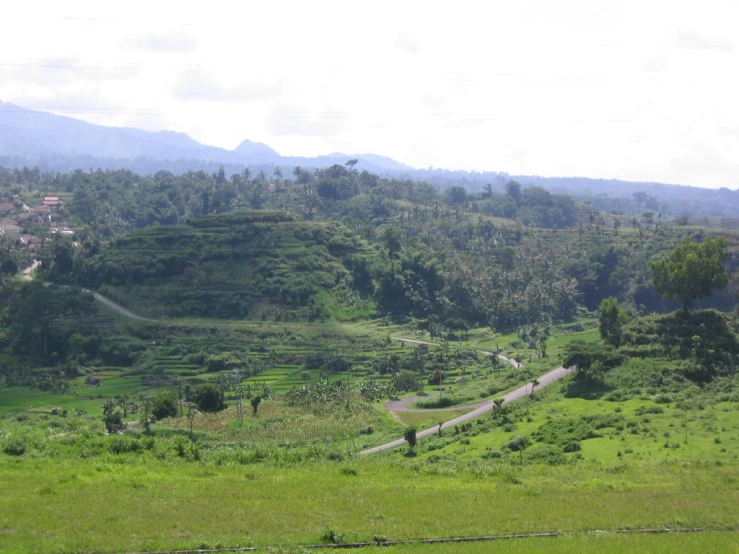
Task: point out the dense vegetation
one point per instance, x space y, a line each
267 322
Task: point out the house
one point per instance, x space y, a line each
31 242
10 227
41 210
52 202
65 231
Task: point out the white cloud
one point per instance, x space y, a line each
638 90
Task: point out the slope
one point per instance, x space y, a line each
228 266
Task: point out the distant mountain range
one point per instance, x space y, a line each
57 143
36 135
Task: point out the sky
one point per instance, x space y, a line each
645 90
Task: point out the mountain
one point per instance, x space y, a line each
47 139
57 143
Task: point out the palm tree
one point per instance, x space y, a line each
109 407
498 403
534 383
122 401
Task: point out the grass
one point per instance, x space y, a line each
116 503
423 420
717 542
640 434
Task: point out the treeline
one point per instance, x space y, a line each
507 259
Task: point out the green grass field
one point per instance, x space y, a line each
116 503
715 542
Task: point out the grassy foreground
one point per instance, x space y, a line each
607 543
115 503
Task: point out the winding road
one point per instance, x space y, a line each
480 408
544 380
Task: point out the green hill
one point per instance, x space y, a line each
235 265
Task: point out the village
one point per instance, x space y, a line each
30 226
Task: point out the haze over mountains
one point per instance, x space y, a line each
58 143
37 135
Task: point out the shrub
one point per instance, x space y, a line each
121 445
113 422
164 404
208 398
15 447
440 402
516 443
546 453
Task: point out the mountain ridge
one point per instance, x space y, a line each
60 143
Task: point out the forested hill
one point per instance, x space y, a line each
336 243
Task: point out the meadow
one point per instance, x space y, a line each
123 502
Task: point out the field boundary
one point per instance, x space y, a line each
442 540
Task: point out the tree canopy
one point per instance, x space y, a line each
692 270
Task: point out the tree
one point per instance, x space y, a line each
498 403
513 191
410 437
692 271
255 403
612 319
535 383
113 422
164 404
392 236
208 398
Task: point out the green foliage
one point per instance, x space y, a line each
113 421
517 443
612 319
546 454
692 270
209 398
406 381
592 359
164 404
224 266
40 319
14 446
410 437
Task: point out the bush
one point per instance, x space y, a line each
546 453
440 402
113 422
15 447
121 445
208 398
164 404
516 443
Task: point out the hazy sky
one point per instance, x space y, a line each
645 90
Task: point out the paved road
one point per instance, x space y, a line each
544 380
482 408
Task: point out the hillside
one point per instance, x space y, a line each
226 266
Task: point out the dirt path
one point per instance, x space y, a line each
117 307
29 270
544 380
